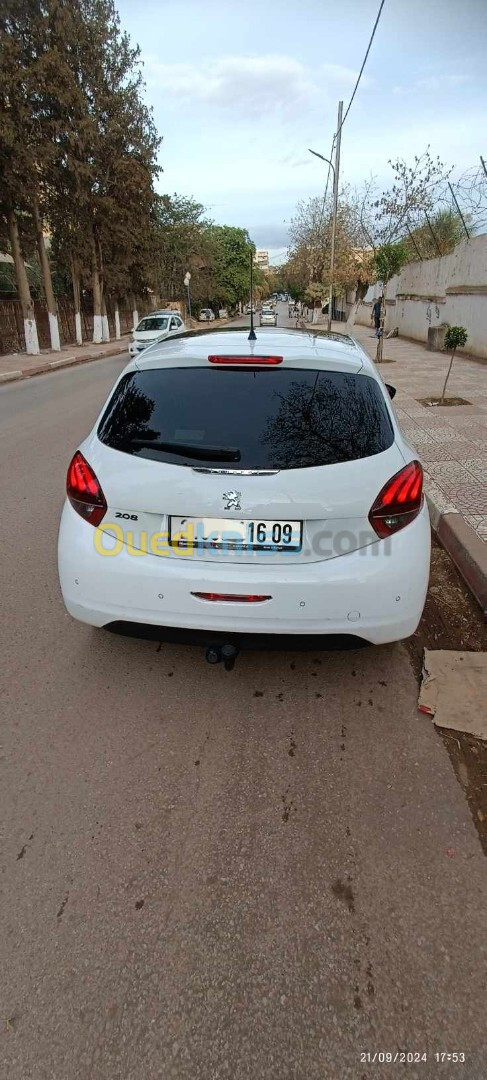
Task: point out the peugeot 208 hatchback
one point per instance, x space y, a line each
247 488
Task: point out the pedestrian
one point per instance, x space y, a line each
375 315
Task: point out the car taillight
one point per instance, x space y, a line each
256 360
399 502
84 491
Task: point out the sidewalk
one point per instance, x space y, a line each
21 366
451 442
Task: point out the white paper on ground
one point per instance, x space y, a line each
454 690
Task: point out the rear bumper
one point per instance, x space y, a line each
374 594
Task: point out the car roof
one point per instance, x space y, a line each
336 351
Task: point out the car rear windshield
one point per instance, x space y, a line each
275 418
153 324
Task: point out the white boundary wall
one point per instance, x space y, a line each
451 289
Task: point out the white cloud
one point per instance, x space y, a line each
252 84
433 83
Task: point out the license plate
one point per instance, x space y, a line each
231 535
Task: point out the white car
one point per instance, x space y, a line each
268 317
206 315
155 327
235 492
250 309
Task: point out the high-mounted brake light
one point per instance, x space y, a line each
255 360
235 598
84 491
399 502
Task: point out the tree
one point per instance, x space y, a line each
438 236
17 161
308 266
179 245
228 267
388 261
455 338
105 163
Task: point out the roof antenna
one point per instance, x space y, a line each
252 336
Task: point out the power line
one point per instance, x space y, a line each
379 13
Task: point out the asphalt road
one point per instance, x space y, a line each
255 875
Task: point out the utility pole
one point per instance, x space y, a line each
335 210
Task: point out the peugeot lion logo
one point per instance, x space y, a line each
232 500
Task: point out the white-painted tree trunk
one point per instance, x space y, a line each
31 338
316 313
117 323
30 325
353 313
135 317
54 332
97 329
77 323
105 329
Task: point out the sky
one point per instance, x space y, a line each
240 91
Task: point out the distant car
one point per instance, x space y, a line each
268 317
230 492
206 315
250 309
157 326
223 313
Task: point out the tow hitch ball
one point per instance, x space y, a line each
215 654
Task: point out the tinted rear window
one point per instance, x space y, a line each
280 418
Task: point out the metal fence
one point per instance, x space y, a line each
12 338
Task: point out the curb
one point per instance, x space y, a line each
467 551
52 365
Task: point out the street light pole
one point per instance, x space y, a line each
336 172
187 280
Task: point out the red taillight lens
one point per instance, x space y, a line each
256 360
84 491
235 598
399 502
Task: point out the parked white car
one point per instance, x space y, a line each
236 492
155 327
206 315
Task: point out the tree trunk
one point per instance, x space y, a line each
105 329
30 326
360 294
96 287
135 314
117 320
46 278
77 300
442 399
380 343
